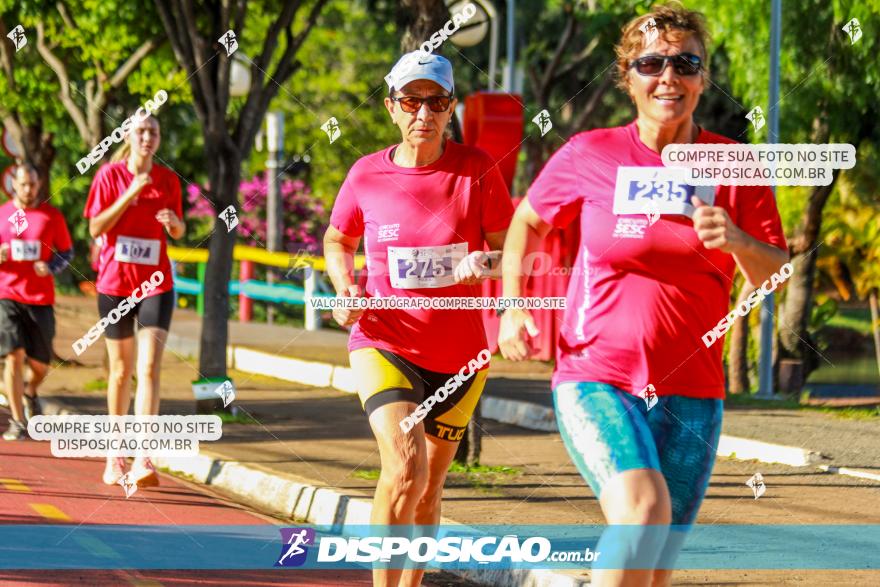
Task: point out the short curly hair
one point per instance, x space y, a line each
673 22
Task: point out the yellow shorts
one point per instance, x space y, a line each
384 377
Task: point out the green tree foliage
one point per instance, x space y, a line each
343 66
828 93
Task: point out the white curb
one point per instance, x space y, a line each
746 449
519 413
850 472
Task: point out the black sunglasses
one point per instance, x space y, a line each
412 104
654 65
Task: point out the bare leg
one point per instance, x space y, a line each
13 378
440 455
403 477
635 497
121 362
38 374
151 344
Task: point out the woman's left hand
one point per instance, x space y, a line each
169 220
714 227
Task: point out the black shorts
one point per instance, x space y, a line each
384 377
154 311
26 326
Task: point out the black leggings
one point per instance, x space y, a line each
154 311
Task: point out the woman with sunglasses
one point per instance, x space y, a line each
638 396
425 209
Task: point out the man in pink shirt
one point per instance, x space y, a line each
637 394
34 245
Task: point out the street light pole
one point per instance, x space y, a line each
274 205
765 364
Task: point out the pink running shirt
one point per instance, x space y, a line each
141 239
641 296
454 201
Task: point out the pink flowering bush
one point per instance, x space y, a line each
305 217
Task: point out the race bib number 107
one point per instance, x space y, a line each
423 267
137 250
657 190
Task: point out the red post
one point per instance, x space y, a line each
245 304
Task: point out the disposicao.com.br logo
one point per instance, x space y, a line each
404 547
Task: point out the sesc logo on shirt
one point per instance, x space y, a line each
630 228
388 232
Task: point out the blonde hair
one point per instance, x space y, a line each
124 150
673 21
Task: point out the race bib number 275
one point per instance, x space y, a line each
424 267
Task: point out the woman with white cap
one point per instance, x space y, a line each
425 208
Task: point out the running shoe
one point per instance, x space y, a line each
144 473
32 407
16 431
114 470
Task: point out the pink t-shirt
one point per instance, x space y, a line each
46 231
641 296
140 237
449 204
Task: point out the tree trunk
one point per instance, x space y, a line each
215 332
795 341
738 356
38 149
875 325
472 443
420 19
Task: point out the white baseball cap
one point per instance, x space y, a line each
420 65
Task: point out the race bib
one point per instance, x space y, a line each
137 250
419 267
657 190
24 250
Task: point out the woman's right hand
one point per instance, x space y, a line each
513 333
346 317
138 183
4 252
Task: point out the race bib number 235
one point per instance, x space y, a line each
660 190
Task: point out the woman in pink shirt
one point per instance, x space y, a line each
638 395
133 203
424 208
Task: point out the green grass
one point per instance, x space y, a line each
846 413
480 477
95 385
858 319
850 413
240 418
458 467
368 474
854 370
